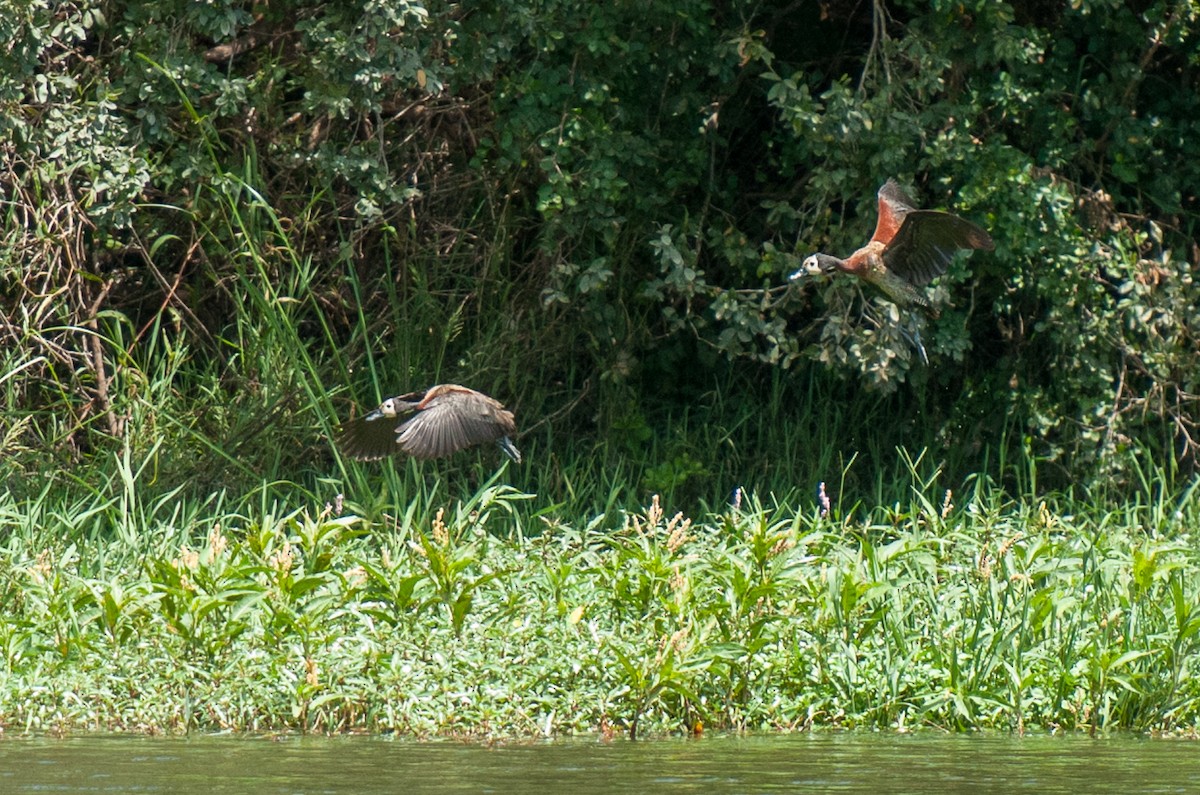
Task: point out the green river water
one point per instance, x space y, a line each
822 762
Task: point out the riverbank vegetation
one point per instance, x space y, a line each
228 226
494 617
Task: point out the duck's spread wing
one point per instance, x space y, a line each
894 206
369 440
925 244
452 422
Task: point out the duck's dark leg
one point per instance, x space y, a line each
509 449
912 333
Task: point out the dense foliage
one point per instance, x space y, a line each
219 215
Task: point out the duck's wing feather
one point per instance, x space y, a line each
925 244
369 440
894 206
454 421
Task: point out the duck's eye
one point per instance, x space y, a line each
812 266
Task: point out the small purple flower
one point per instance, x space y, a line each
823 499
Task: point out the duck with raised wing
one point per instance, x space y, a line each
432 424
909 249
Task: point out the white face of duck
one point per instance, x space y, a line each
386 409
810 267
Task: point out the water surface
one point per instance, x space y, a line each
822 762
